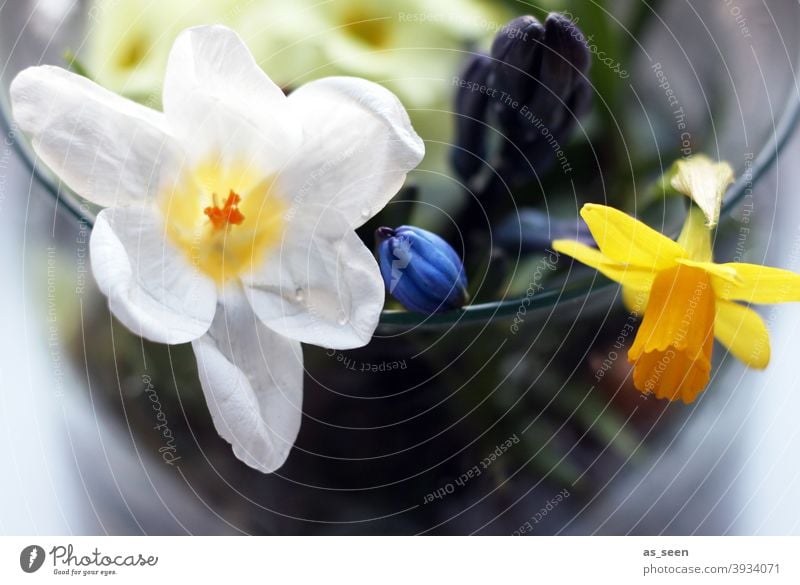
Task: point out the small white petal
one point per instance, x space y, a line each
252 379
342 290
358 145
107 149
704 181
222 106
151 287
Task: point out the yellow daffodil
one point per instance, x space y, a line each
688 299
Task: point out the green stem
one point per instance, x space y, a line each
75 65
643 13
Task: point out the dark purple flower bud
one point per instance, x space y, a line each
542 70
421 270
537 87
517 53
470 120
541 67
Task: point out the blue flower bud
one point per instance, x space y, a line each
421 270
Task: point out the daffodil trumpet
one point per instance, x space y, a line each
686 298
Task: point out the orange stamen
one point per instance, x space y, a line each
229 214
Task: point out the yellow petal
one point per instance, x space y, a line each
627 240
705 182
743 332
757 284
719 272
627 275
635 300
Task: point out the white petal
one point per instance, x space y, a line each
358 146
704 181
107 149
252 379
151 287
222 105
322 286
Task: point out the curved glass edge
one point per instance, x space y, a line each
508 308
495 310
63 198
481 312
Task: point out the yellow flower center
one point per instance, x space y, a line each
672 350
225 218
131 54
371 29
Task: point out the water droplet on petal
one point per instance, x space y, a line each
299 295
365 212
342 320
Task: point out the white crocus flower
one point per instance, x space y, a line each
229 218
